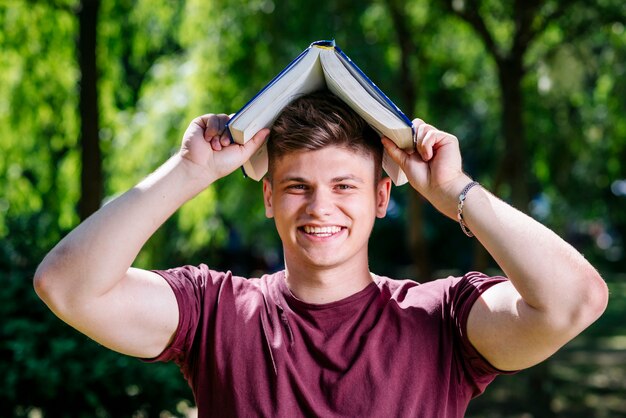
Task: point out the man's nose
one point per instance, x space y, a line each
320 203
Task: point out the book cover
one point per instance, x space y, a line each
323 65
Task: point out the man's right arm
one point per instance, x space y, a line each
87 279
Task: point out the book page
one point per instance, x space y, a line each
342 83
311 79
370 87
291 78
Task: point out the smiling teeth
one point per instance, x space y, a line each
321 230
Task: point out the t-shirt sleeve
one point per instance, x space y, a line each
463 295
192 287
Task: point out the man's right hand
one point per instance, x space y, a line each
207 144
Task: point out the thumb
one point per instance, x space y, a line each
397 154
252 146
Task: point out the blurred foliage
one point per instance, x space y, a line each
163 63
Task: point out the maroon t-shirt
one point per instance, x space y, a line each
248 347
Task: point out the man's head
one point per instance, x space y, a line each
318 120
324 187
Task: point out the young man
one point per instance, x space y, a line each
324 337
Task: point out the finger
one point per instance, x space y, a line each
396 153
422 130
215 143
425 146
214 125
226 137
251 146
417 122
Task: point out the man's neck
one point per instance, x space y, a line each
326 285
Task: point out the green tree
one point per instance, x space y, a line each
46 365
156 66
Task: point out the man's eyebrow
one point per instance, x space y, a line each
350 177
292 179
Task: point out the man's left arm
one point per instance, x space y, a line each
552 296
553 293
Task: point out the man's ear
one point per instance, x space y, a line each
383 194
267 197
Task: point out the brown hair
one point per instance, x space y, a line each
321 119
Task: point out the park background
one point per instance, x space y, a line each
94 95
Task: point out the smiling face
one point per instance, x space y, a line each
324 204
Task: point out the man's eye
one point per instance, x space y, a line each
297 187
345 187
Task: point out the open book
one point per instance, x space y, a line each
322 66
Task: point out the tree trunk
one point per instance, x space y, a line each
514 166
513 169
91 159
408 81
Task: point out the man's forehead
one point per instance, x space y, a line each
339 160
328 153
336 179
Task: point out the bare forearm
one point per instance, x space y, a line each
97 254
546 271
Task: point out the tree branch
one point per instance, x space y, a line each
524 14
408 49
561 8
470 15
603 15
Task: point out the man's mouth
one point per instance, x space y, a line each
321 231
